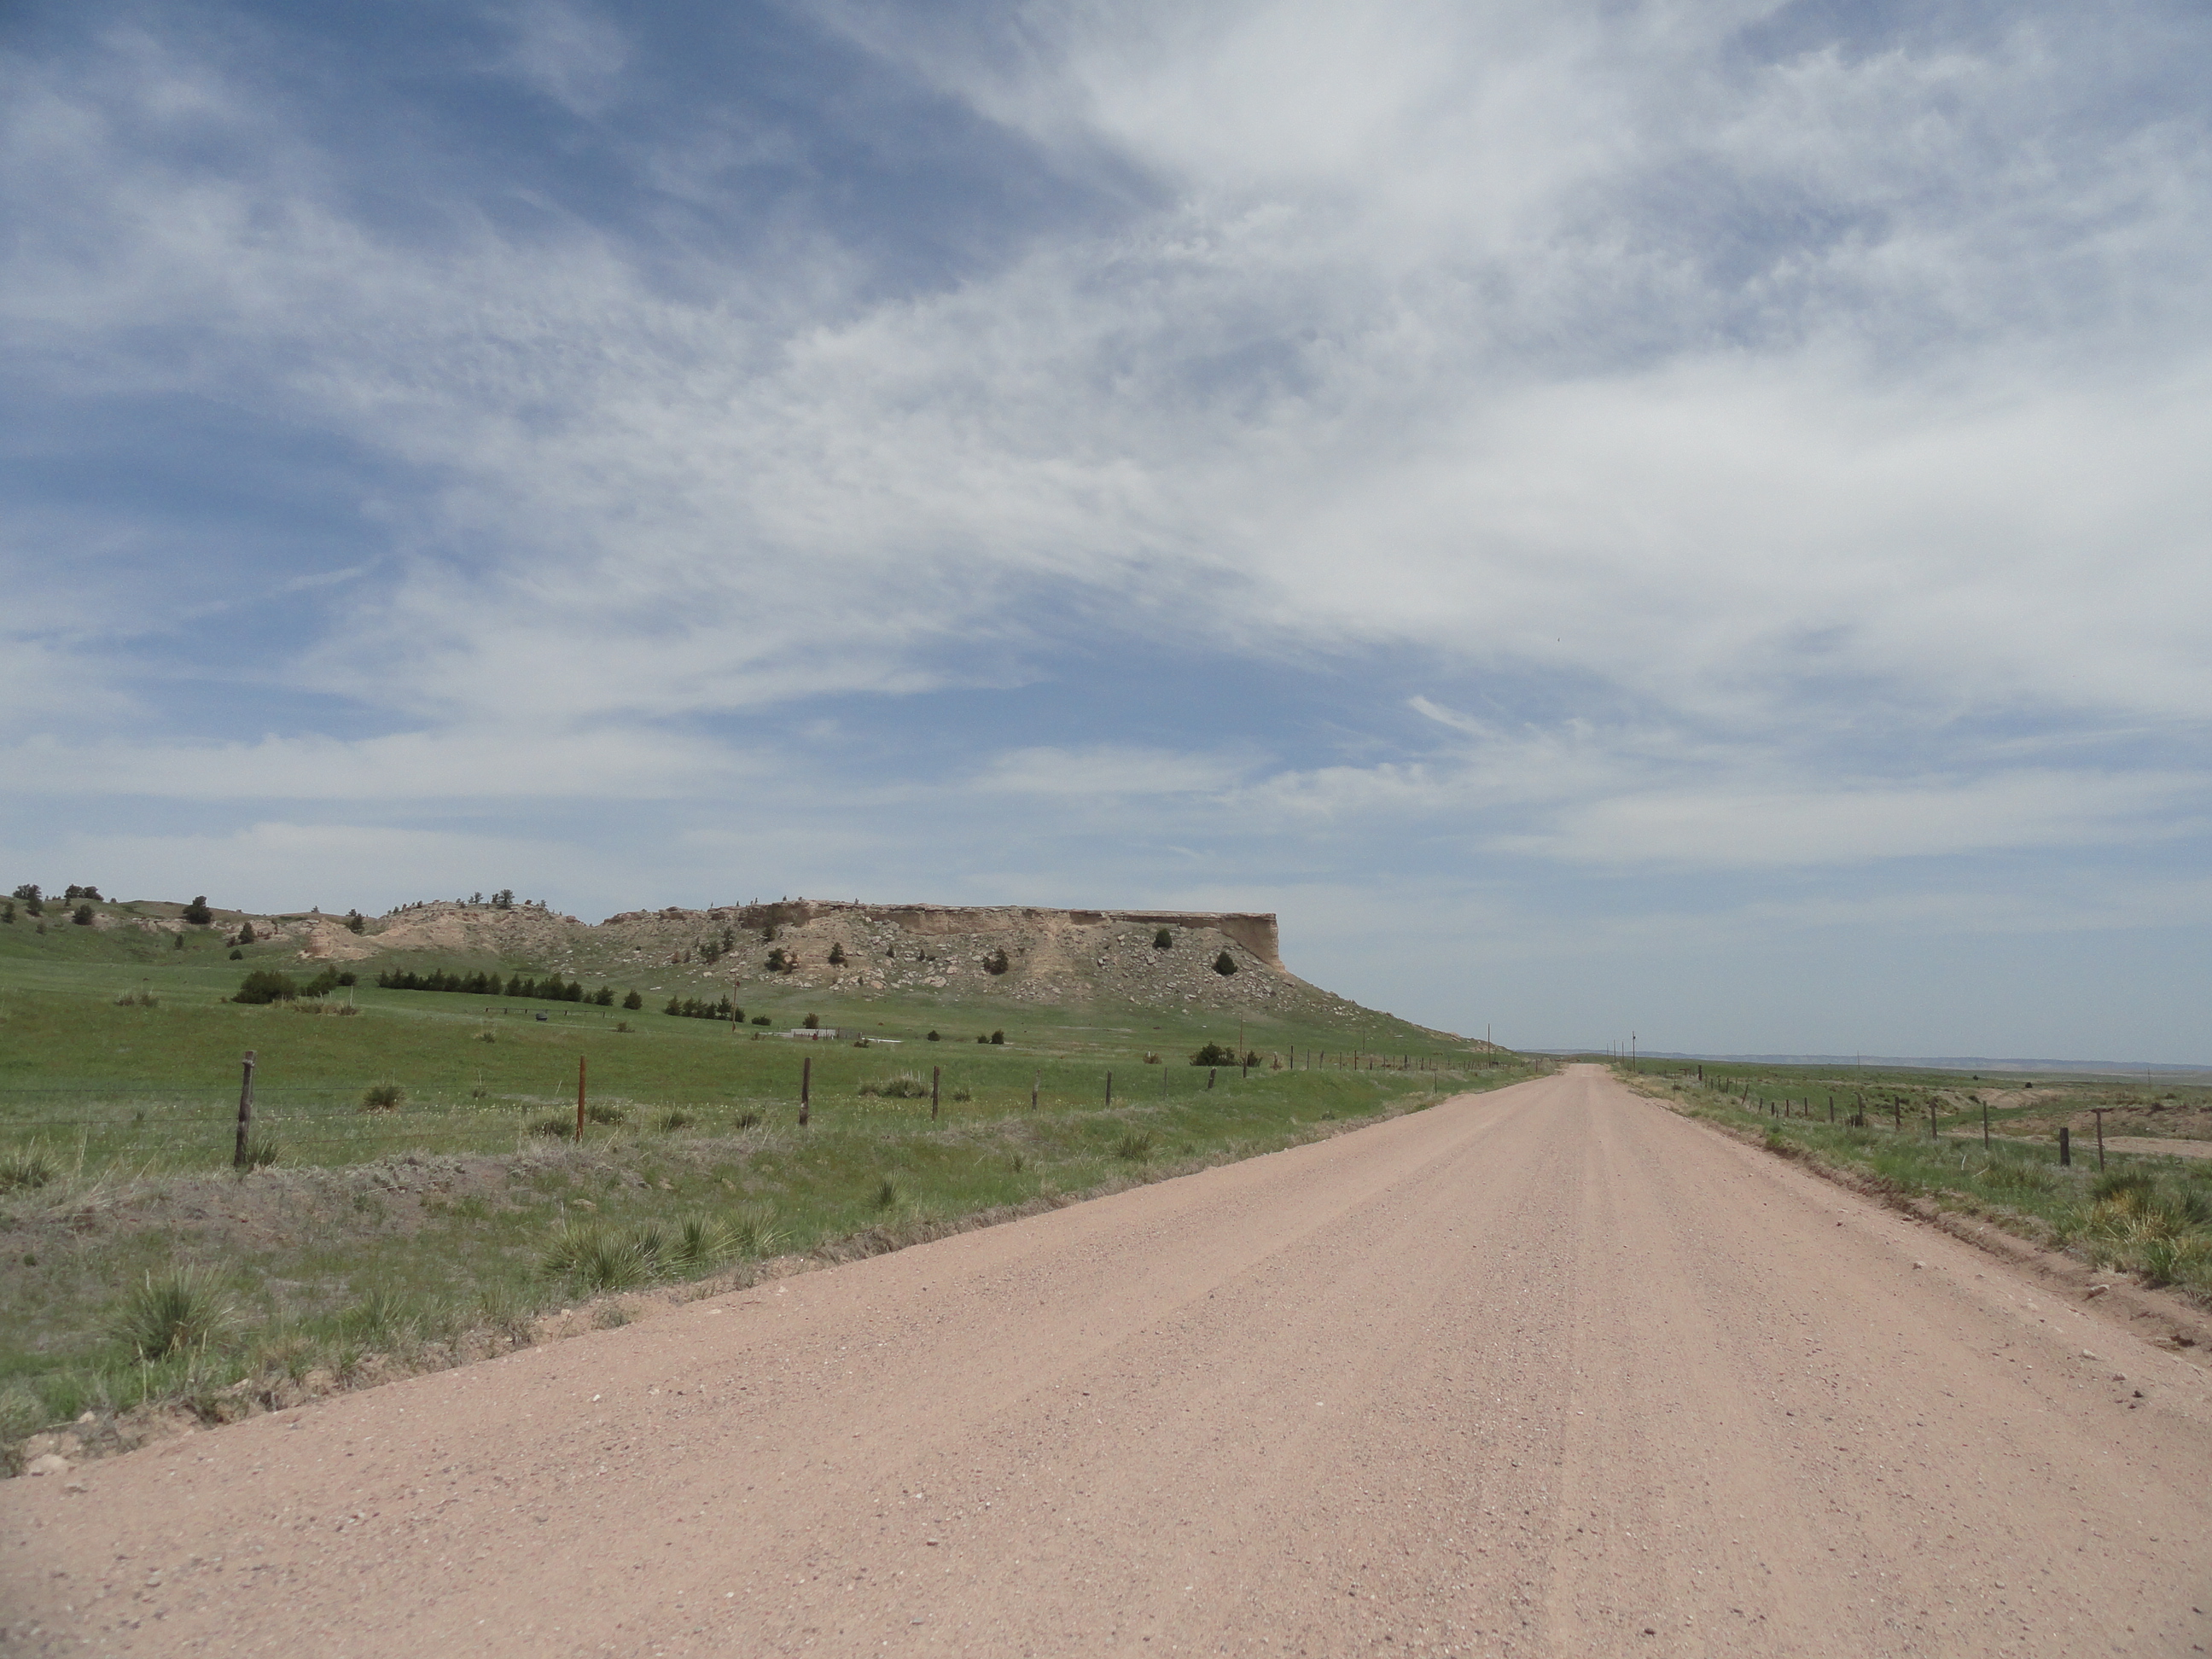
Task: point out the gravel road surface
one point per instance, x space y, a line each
1549 1370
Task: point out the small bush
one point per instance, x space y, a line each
596 1257
622 1025
837 956
996 962
355 922
1135 1147
1224 964
933 1037
907 1085
980 1037
702 1242
261 1152
82 915
266 985
755 1232
184 1308
761 1019
1163 941
383 1098
197 913
140 999
25 1166
999 1038
746 1121
245 933
634 1002
554 1128
887 1193
1214 1054
237 956
1152 1059
668 1122
598 1112
812 1023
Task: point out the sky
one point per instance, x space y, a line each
1606 517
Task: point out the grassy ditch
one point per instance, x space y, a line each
2147 1215
132 1293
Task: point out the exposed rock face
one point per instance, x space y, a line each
1021 952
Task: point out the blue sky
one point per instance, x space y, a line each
1611 516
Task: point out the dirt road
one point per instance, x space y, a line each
1544 1372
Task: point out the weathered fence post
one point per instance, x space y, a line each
1209 1077
580 1096
806 1089
1932 1135
2065 1146
2100 1112
244 1112
935 1072
1985 1125
1109 1091
1035 1078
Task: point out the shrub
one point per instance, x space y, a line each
887 1193
261 1152
999 1037
184 1308
598 1112
196 912
1135 1147
1163 941
237 956
755 1232
82 915
837 956
746 1119
671 1121
1214 1054
933 1037
761 1019
982 1039
780 961
245 933
355 922
597 1257
8 912
554 1128
266 985
812 1022
633 1002
382 1097
1224 964
907 1085
24 1166
138 999
996 962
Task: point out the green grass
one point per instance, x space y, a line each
2151 1216
387 1240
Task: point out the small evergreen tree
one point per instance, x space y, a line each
1163 941
837 954
82 915
996 962
933 1037
998 1036
198 912
355 922
245 933
1224 964
812 1022
633 1001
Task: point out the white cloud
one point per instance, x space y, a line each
1842 825
1110 770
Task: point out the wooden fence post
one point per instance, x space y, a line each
806 1089
2100 1136
935 1072
580 1096
1985 1125
2065 1146
244 1112
1109 1091
1035 1078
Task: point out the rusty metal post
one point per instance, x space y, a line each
244 1112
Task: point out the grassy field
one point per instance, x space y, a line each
1921 1134
143 1271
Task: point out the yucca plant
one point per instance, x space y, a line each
170 1312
